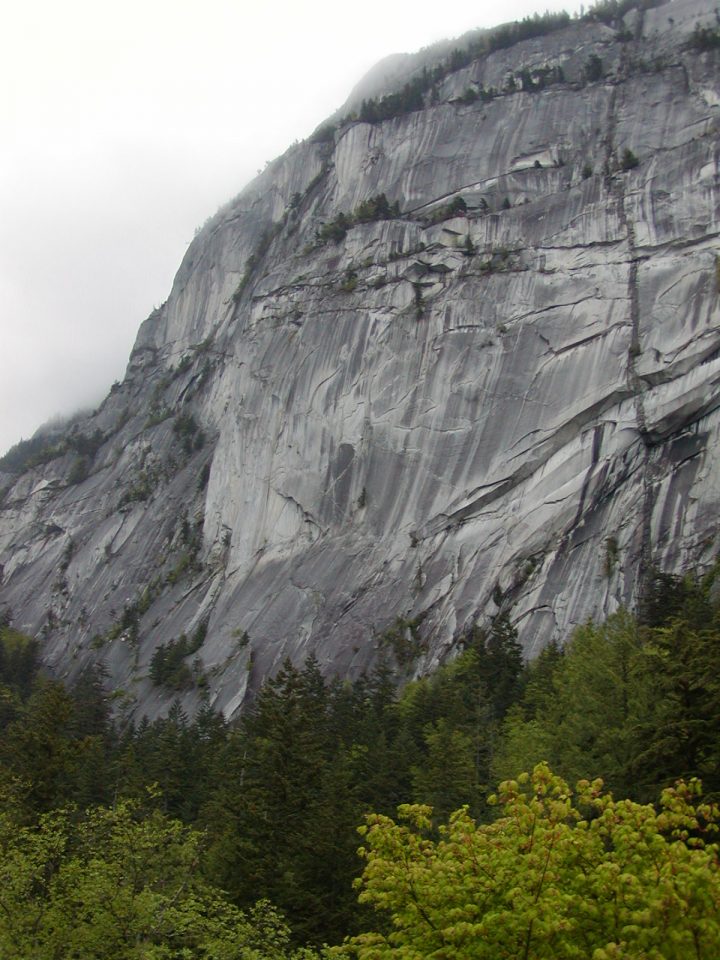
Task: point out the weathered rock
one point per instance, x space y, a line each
513 406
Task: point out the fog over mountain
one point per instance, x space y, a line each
124 129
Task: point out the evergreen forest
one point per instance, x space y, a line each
565 807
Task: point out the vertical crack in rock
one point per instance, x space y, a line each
635 383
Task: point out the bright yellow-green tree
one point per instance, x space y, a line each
117 884
556 876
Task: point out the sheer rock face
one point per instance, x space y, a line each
513 408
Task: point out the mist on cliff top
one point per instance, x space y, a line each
125 126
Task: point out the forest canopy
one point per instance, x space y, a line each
160 839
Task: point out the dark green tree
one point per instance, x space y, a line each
283 815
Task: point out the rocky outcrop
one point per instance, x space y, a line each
429 417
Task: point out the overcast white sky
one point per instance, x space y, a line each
124 126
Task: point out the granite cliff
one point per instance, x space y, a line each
424 368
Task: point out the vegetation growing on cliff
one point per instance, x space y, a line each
369 211
705 38
422 90
44 447
411 96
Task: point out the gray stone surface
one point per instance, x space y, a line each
531 426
